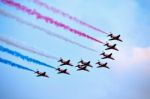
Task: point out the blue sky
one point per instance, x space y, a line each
129 76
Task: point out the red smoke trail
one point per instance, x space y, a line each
57 11
4 13
29 49
48 19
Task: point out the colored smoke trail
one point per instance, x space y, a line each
23 57
14 64
4 13
29 49
48 19
60 12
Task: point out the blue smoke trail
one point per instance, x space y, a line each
14 64
23 57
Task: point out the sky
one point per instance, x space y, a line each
128 76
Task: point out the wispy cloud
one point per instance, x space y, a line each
133 58
141 55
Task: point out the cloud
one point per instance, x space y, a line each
141 55
134 58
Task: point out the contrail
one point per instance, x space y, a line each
62 13
9 15
29 49
48 19
23 57
15 65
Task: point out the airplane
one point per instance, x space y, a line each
113 37
82 67
111 47
109 56
62 71
40 74
85 63
79 66
67 62
102 65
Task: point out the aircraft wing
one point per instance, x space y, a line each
111 39
44 73
62 64
103 57
68 61
38 75
108 48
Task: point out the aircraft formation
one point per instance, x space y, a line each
84 65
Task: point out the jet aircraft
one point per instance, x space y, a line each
62 71
82 67
102 65
85 63
64 62
114 37
107 56
41 74
113 47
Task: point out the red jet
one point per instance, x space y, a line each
109 47
41 74
113 37
62 71
107 56
102 65
85 63
82 67
67 62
